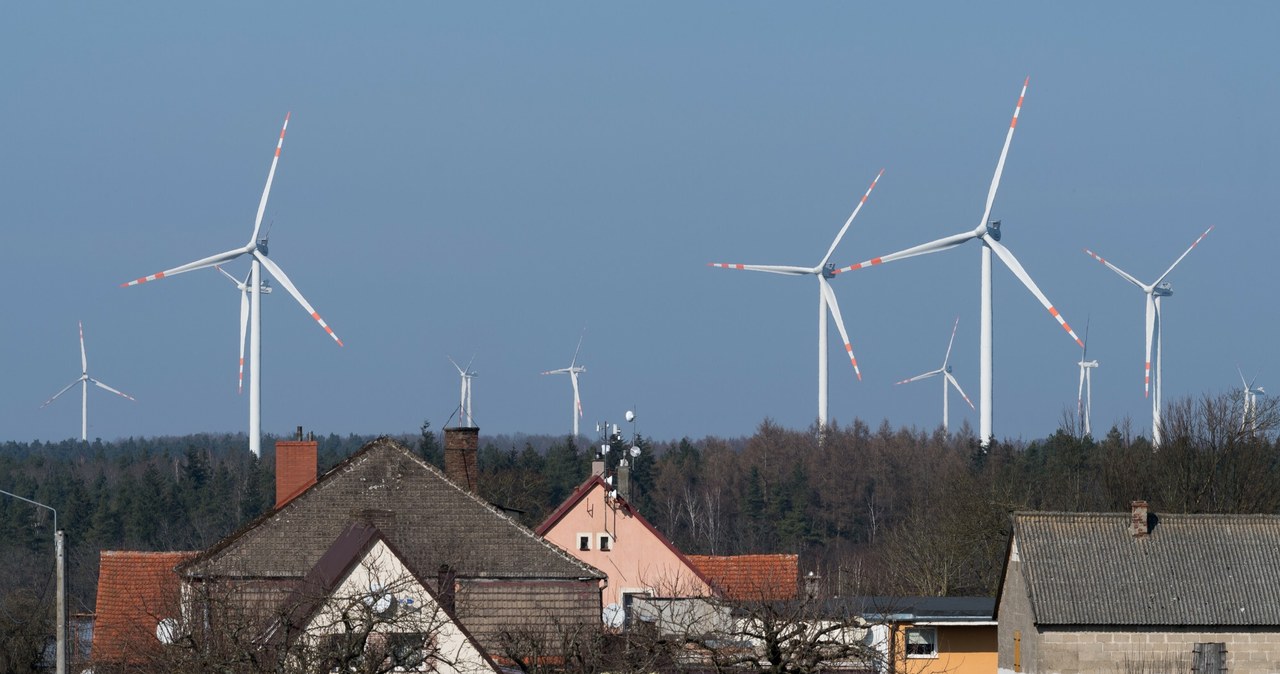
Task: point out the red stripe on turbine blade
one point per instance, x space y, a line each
877 261
1053 312
1013 123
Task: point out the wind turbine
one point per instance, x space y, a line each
243 287
947 377
826 301
84 380
1154 291
464 401
988 233
573 371
1250 421
1084 396
257 250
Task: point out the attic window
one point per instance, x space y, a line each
605 543
584 541
922 642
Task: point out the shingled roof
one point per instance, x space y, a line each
136 590
751 577
1190 570
425 515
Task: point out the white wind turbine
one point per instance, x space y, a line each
1154 292
258 258
1084 396
84 380
988 233
573 371
947 377
826 301
1249 423
464 400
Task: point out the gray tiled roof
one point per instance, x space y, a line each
1192 570
418 509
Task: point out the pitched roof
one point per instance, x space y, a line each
135 591
1191 570
428 517
751 577
913 609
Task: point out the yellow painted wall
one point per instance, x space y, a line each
961 650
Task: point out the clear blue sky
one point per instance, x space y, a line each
480 178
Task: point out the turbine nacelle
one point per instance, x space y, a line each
828 270
992 230
1162 289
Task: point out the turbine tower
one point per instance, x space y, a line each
1084 396
257 251
947 378
826 301
243 287
573 371
988 233
84 380
1154 292
464 401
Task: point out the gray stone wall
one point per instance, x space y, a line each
1140 651
1014 616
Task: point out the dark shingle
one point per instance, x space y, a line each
1192 570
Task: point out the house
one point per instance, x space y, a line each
1136 591
509 590
915 635
138 604
751 577
599 527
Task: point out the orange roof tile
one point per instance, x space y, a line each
135 591
752 577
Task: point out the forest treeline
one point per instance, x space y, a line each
873 511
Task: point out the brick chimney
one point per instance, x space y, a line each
622 479
460 445
1138 519
295 467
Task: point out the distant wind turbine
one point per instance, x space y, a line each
1084 396
947 378
84 380
1249 423
988 233
573 371
257 251
464 401
826 301
1154 291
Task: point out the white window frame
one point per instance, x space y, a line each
925 632
590 541
600 538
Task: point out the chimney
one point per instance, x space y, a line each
624 479
295 467
1138 519
460 445
597 466
811 583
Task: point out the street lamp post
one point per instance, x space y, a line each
60 556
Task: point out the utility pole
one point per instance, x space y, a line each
60 556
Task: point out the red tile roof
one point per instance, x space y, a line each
135 591
752 577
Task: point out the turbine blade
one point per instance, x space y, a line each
577 400
1151 331
279 275
560 371
771 268
1123 274
64 390
1012 263
108 388
244 327
577 349
229 276
84 361
834 307
1080 391
262 204
1004 152
191 266
455 364
1184 254
959 390
919 377
953 341
1084 351
923 249
848 222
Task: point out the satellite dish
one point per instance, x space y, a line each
635 451
631 416
167 630
379 599
614 615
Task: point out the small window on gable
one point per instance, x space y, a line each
922 642
584 542
605 542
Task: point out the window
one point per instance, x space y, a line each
584 542
922 642
604 542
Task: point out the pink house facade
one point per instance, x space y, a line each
601 529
